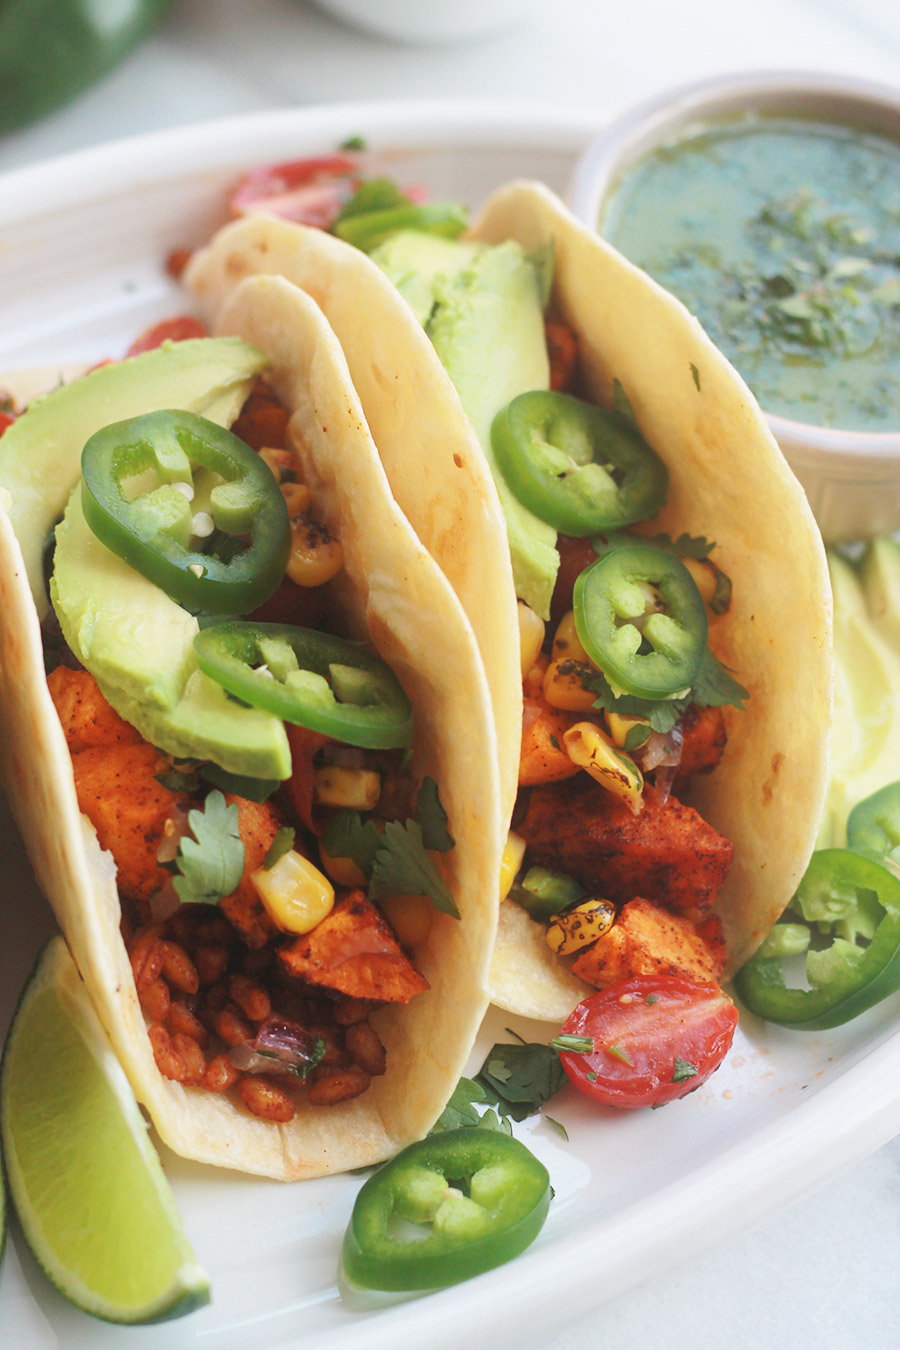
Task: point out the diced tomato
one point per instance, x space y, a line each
304 745
177 329
656 1037
309 191
574 556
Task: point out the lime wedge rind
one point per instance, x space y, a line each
87 1184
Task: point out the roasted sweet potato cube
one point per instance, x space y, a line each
87 719
118 792
258 823
544 758
703 741
647 940
354 951
666 852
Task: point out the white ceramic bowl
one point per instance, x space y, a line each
852 478
430 21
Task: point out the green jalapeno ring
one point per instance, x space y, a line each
312 679
152 532
502 1213
574 465
839 890
652 656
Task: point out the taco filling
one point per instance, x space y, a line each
300 895
257 956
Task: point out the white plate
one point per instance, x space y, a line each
82 243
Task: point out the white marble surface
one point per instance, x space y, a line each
826 1271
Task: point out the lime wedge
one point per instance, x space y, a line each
86 1182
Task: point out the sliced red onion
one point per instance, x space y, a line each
279 1047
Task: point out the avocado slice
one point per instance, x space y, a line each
138 645
40 454
481 307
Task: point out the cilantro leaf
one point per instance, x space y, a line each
433 818
212 863
460 1109
402 867
662 714
714 686
376 194
685 546
347 835
518 1079
280 845
695 376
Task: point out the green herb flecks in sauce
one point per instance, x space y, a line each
783 237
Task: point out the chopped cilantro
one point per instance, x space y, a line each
211 864
652 998
555 743
619 1052
591 1076
558 1126
685 546
376 194
280 845
460 1109
254 789
353 143
714 686
575 1045
695 376
683 1070
636 736
518 1079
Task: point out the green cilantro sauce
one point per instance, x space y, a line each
783 237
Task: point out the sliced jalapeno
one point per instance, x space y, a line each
854 902
482 1195
575 466
160 531
642 620
312 679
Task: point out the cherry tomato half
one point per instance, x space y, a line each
177 329
656 1037
309 191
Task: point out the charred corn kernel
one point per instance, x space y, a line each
295 893
564 683
315 557
513 853
354 789
410 917
580 926
620 727
704 574
566 642
590 749
531 636
297 497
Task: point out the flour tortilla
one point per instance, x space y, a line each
392 591
728 482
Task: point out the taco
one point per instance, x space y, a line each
697 875
277 1009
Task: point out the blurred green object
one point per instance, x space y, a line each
50 50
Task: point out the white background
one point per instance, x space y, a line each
826 1271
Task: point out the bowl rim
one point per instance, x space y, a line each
653 120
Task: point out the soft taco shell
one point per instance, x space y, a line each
391 589
728 481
